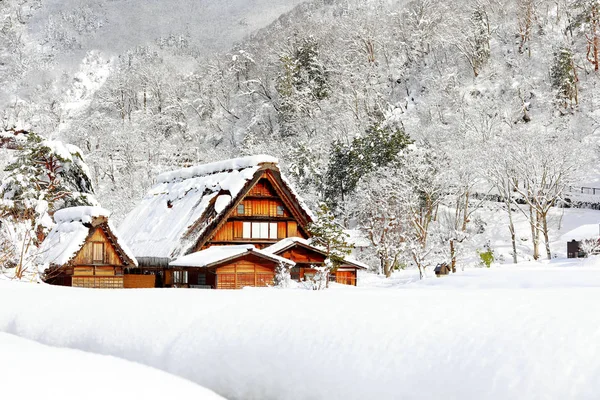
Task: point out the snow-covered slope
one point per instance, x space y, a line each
31 370
447 338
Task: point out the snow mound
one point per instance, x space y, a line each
90 376
346 343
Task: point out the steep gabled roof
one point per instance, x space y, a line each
186 207
291 242
73 227
215 255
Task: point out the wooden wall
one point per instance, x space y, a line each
245 271
233 231
85 255
131 281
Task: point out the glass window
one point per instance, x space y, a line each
280 211
246 228
201 279
180 277
273 230
260 230
240 209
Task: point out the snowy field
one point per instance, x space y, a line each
511 332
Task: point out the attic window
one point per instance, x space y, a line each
280 211
240 209
98 253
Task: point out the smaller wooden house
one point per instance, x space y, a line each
576 237
442 269
225 267
84 250
306 255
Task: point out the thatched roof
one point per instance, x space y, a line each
185 207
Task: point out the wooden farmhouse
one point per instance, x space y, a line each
244 201
84 250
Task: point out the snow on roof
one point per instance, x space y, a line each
70 232
216 254
215 167
286 243
588 231
84 214
176 211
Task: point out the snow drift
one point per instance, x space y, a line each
344 343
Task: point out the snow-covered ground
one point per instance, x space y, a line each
520 332
30 370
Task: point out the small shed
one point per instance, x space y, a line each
225 267
442 269
575 237
84 250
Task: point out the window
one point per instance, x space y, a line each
240 209
201 279
246 230
280 211
180 277
259 230
98 253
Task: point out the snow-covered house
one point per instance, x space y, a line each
576 237
84 250
307 255
243 201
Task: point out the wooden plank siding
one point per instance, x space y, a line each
86 254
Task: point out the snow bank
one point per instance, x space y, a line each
583 232
31 370
433 341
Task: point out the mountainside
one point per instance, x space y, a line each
413 104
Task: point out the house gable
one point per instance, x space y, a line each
265 199
110 255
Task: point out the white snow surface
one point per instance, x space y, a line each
83 214
215 167
31 370
523 332
216 254
583 232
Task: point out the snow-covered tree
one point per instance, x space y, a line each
328 234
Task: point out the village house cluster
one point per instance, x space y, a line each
223 225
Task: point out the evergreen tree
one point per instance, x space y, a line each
564 77
349 163
44 177
330 235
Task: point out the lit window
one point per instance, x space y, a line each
273 230
246 231
280 211
240 209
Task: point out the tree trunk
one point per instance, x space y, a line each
534 234
453 255
387 270
466 212
511 228
545 231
